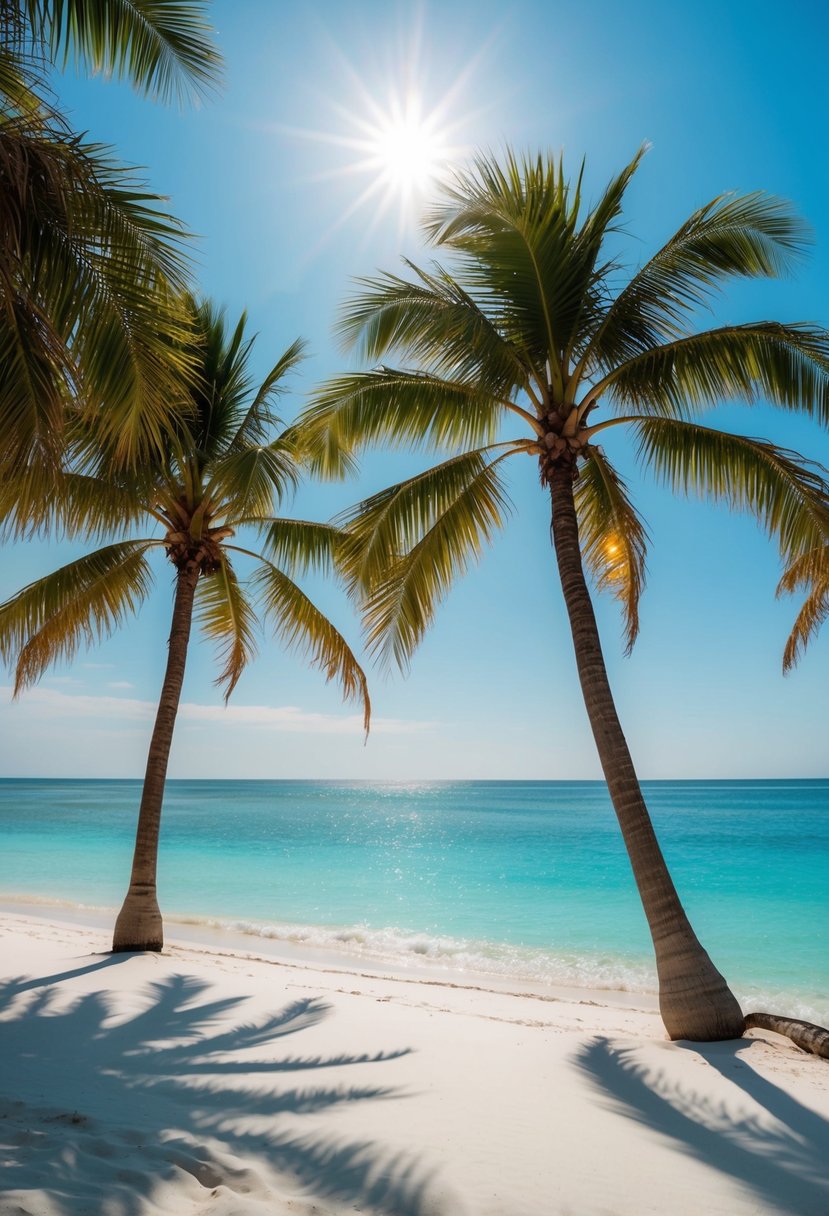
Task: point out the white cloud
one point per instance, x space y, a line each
120 684
50 703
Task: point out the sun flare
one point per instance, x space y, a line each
400 148
407 149
395 143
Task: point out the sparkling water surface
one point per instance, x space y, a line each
521 879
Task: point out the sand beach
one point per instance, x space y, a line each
222 1082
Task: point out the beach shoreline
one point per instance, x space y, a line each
231 1083
209 937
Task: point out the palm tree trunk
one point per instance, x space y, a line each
694 999
139 925
806 1035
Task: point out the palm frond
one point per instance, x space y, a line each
220 389
36 499
525 254
299 546
379 531
438 324
786 365
514 225
229 421
250 480
592 272
130 338
613 537
21 80
91 273
37 383
259 420
226 616
163 47
77 605
410 407
303 628
810 572
748 236
787 494
320 447
404 588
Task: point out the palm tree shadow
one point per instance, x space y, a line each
779 1160
22 983
110 1112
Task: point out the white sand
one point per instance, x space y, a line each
209 1082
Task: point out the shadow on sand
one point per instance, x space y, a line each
109 1111
778 1153
12 988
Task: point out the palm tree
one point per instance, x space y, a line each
537 326
92 266
224 471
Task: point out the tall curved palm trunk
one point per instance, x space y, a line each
139 924
694 999
534 326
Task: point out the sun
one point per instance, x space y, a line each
392 125
398 147
397 140
407 149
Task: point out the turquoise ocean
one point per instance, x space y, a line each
526 881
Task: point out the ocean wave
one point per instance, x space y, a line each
402 947
469 960
464 960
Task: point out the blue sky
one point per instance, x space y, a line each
730 97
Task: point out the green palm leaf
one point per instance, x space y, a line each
406 587
163 47
320 447
300 546
515 225
524 253
91 263
750 236
38 499
19 79
593 267
787 365
435 321
303 628
384 528
613 537
36 385
91 270
77 605
220 390
259 419
251 480
410 407
787 494
227 417
131 347
226 616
